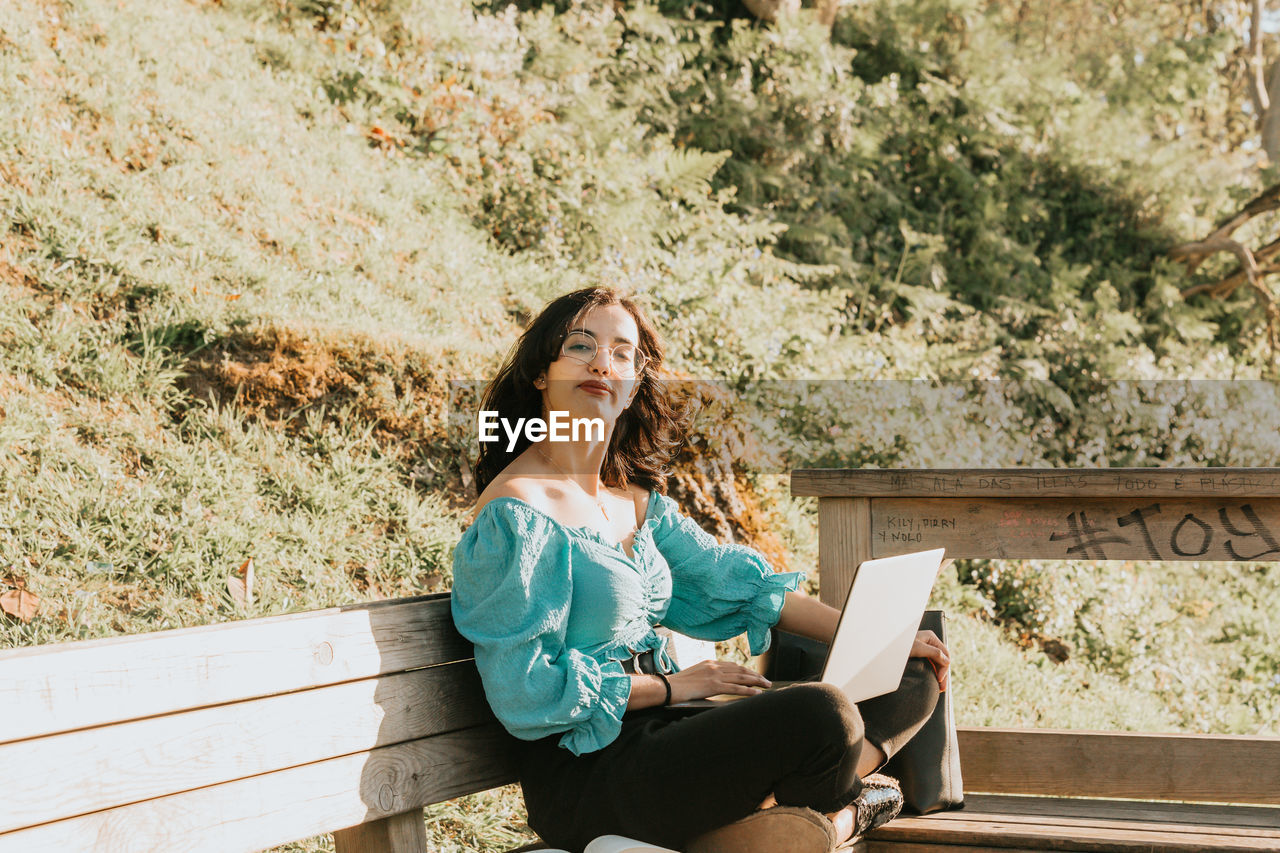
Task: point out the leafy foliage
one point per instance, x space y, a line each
246 246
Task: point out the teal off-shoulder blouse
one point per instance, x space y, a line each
552 610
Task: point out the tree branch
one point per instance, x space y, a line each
1249 271
1225 286
1211 246
1269 122
1257 66
1194 253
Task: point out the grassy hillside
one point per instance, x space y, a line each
249 250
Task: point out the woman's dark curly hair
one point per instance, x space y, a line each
649 432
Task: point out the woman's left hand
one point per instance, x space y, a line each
928 646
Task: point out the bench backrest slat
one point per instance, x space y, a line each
50 689
1193 768
144 759
274 808
243 735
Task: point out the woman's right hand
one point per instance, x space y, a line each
713 677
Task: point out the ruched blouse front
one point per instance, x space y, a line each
552 610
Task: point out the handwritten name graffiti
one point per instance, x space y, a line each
907 528
1242 533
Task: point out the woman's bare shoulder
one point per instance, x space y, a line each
520 487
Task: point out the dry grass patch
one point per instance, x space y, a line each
274 374
13 272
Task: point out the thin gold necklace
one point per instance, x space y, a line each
581 487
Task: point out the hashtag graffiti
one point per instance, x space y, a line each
1088 540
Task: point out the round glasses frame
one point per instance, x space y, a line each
625 368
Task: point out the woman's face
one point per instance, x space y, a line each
594 388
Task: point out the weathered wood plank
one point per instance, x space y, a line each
1196 768
1080 529
1004 844
103 767
1243 820
274 808
1036 482
844 543
922 828
1250 822
881 845
401 833
995 832
43 689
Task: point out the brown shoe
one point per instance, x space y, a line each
781 829
879 803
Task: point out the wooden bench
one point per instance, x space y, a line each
246 735
1065 790
350 720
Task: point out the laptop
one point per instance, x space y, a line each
877 627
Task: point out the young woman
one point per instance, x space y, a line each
575 554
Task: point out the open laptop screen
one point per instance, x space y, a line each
879 622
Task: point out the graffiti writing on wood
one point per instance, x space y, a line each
908 528
1191 536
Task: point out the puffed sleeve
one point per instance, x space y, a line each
717 591
512 585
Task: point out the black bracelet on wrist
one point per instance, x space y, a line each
667 684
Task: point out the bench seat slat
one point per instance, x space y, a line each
997 831
1196 768
1174 819
139 760
880 845
1116 826
1244 820
275 808
50 689
994 835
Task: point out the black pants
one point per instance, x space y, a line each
668 778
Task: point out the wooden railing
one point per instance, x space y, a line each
1098 514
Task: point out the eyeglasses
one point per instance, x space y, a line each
624 359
